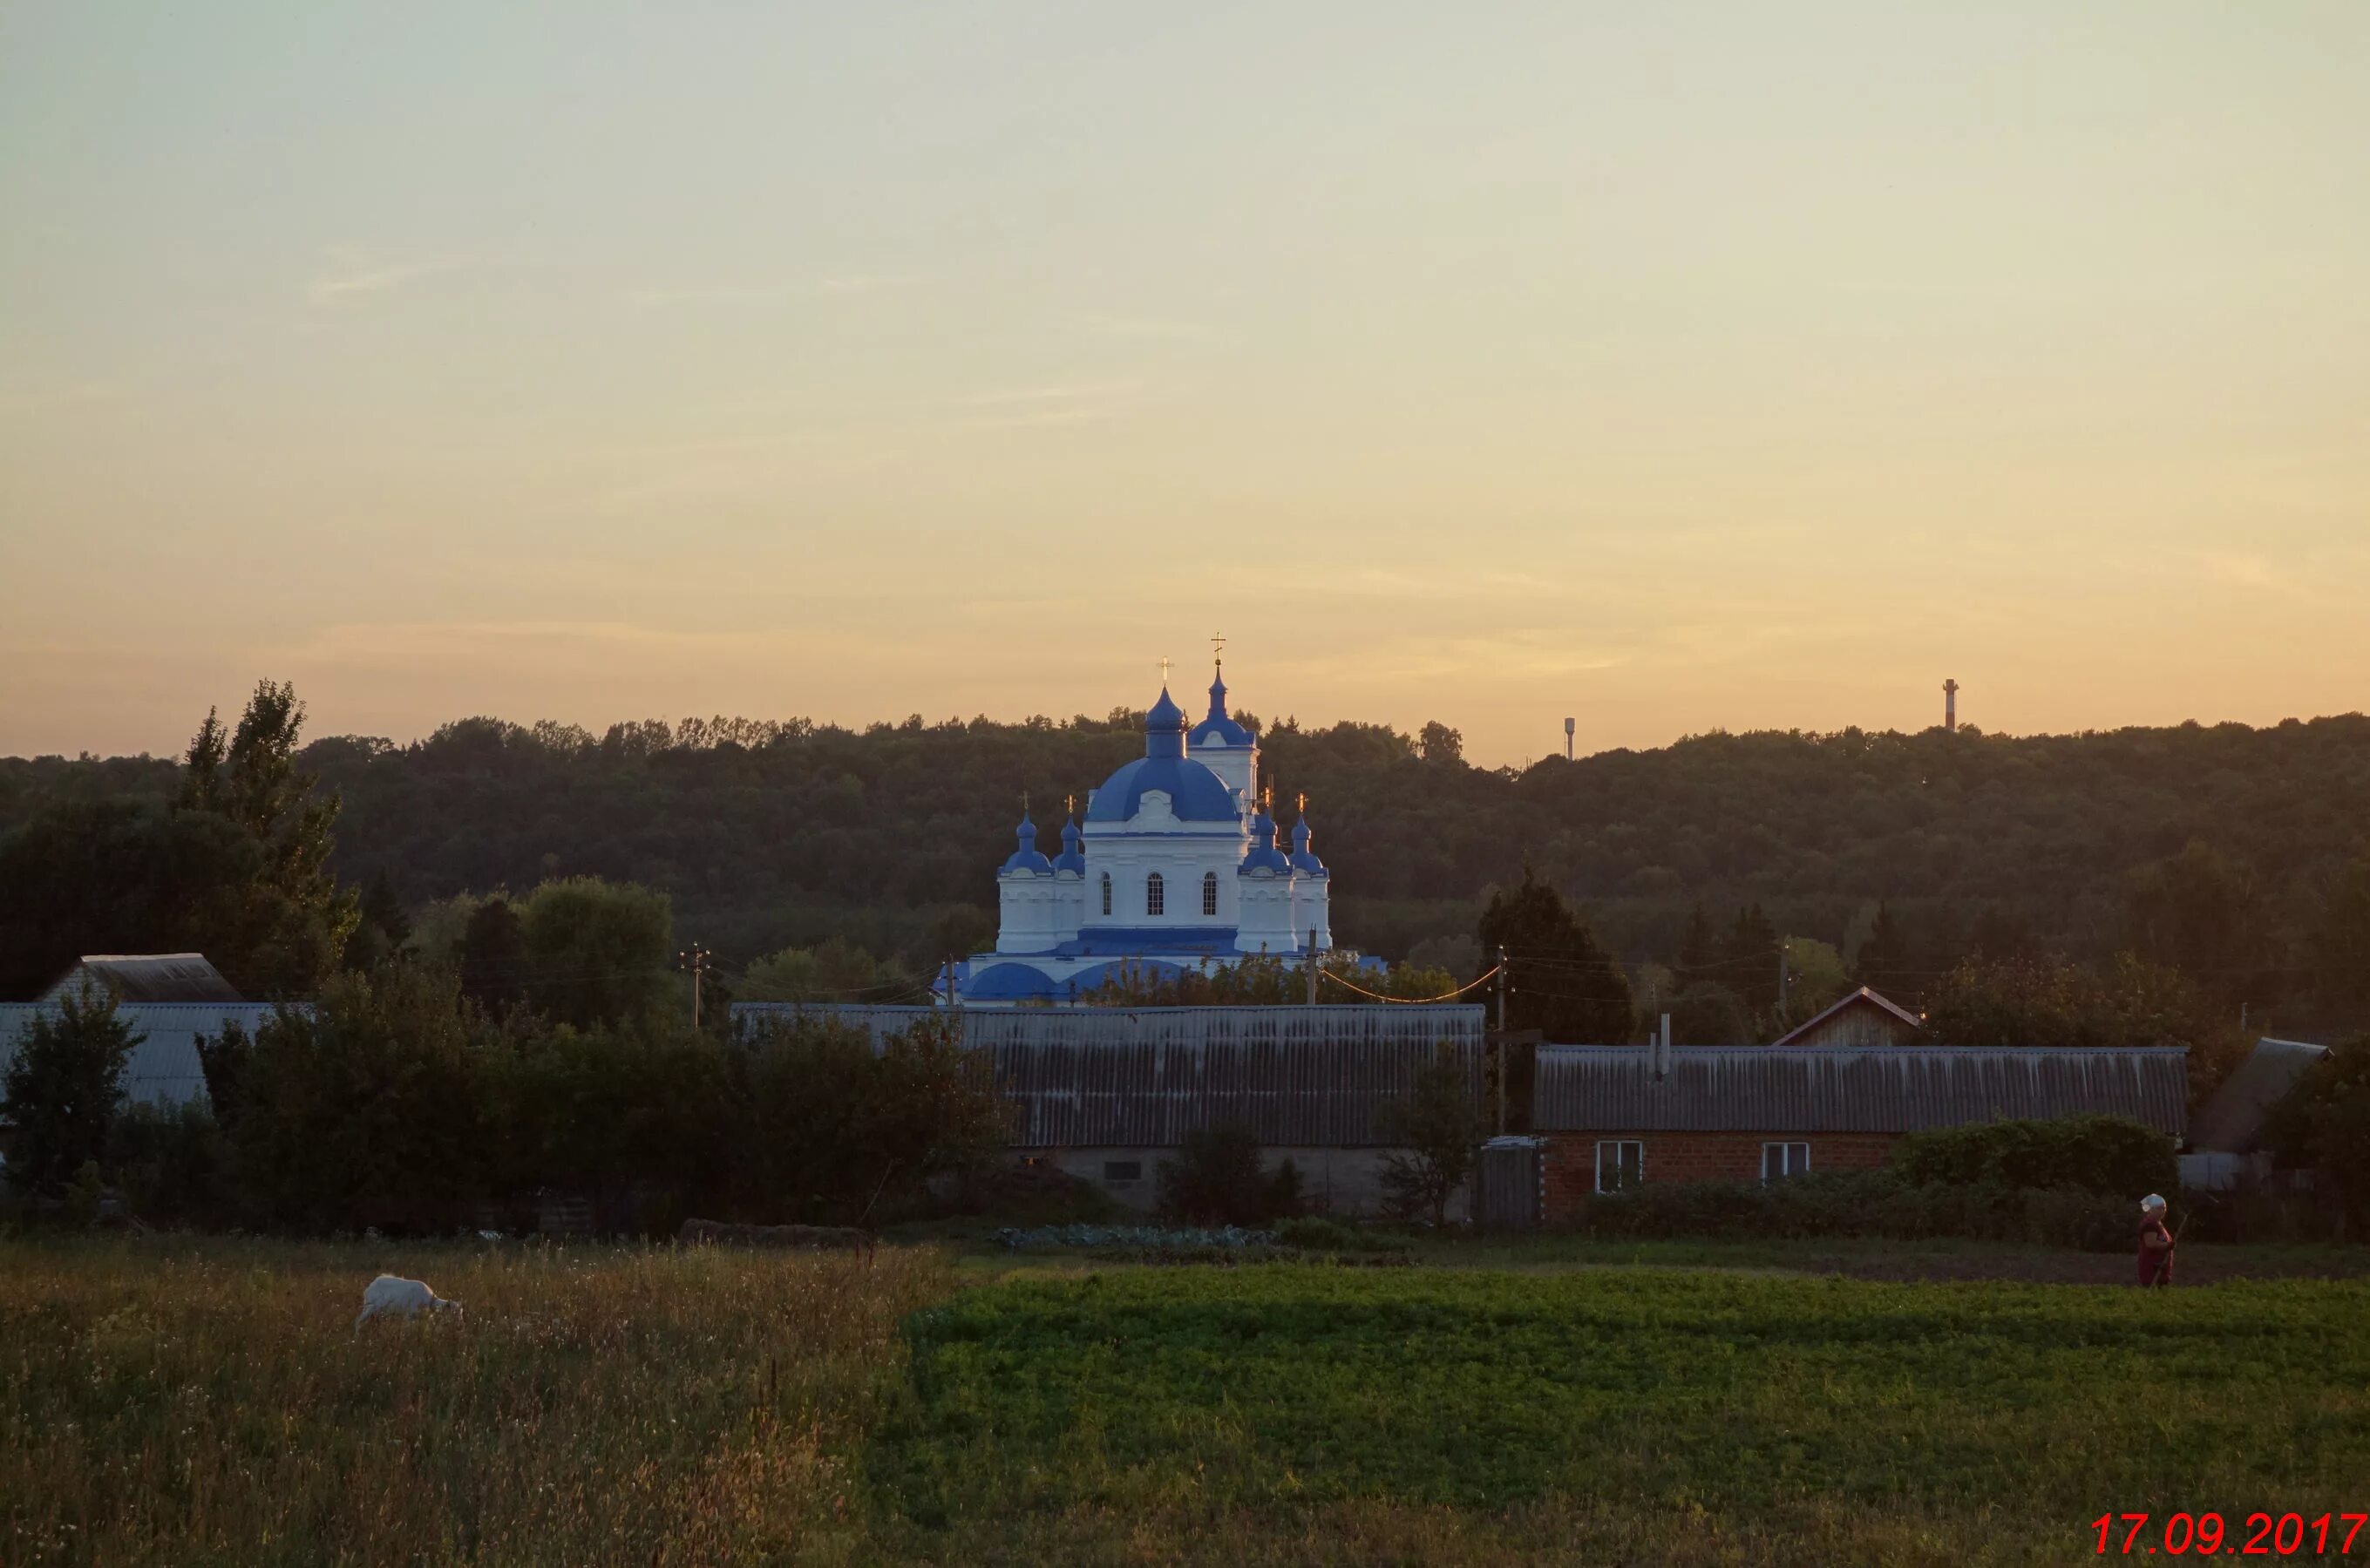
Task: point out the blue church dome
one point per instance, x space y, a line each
1263 855
1028 857
1195 794
1302 859
1071 859
1216 726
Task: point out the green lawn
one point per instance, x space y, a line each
205 1400
1663 1412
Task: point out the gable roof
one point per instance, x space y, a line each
2232 1120
1840 1089
148 977
1862 997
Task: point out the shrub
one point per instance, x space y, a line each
1435 1129
1315 1233
1863 1204
1217 1179
64 1089
2096 1153
2324 1121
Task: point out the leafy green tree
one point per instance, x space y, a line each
492 958
1699 946
2323 1124
1883 961
64 1089
286 929
1437 743
2127 1002
834 971
1218 1178
1432 1133
603 953
2340 945
2200 911
366 1109
1709 1013
115 875
1563 984
834 1127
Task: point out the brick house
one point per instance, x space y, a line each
1610 1116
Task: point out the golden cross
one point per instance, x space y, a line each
1267 799
1164 672
1070 805
1304 802
1218 647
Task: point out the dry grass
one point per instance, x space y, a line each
210 1402
206 1401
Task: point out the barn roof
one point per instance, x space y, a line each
2232 1120
1897 1089
1306 1076
148 977
1863 998
164 1068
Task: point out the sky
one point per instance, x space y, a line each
1671 367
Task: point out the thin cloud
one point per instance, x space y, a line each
777 292
352 272
1152 327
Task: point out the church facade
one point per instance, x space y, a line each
1176 868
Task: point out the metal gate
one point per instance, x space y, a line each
1509 1178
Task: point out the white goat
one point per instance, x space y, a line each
393 1293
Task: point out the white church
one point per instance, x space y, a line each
1176 869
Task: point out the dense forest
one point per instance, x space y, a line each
2240 856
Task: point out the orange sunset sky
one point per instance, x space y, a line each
1671 366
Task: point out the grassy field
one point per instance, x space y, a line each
207 1402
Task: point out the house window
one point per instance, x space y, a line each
1784 1160
1209 893
1154 900
1122 1170
1106 892
1620 1163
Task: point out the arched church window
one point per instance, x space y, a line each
1154 899
1209 893
1106 892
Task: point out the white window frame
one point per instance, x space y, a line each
1107 892
1637 1166
1786 1163
1209 893
1156 895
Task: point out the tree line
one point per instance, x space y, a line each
2233 855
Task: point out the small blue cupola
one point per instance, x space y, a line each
1263 855
1304 859
1216 728
1028 857
1164 728
1072 858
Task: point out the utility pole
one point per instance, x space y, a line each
1308 966
1781 979
1502 1042
697 961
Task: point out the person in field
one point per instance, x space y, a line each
2156 1242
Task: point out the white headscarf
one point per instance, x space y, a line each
2151 1202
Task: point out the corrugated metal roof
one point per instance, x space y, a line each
164 1068
1900 1089
2232 1120
1145 1077
148 977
